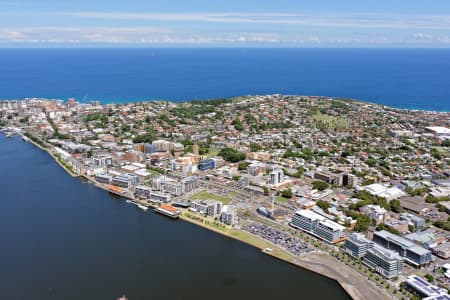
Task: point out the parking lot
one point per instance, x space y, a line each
292 244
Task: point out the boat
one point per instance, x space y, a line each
143 207
122 298
168 210
129 201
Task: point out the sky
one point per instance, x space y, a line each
225 23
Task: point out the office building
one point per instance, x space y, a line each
386 262
412 253
318 226
357 245
207 164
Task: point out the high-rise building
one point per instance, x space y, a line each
276 176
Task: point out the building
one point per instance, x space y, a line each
412 253
228 215
442 250
318 226
357 245
386 262
189 184
389 193
102 161
162 145
207 164
423 288
256 169
276 176
210 208
416 221
243 182
103 178
125 180
143 192
428 238
167 185
376 213
401 226
349 180
439 131
159 197
328 177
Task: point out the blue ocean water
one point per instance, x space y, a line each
404 78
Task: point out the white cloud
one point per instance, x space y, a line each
423 36
393 21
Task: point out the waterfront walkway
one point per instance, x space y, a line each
358 287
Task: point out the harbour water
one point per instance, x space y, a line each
61 238
403 78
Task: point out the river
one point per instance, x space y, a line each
62 238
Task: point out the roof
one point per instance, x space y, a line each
385 253
424 286
309 214
358 238
316 217
402 242
439 129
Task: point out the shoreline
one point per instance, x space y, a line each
181 101
320 263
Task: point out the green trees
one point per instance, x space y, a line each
320 185
231 155
429 277
255 147
242 166
396 206
287 193
148 137
323 205
238 125
362 221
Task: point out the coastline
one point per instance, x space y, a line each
404 108
320 263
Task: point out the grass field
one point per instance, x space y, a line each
281 199
260 243
204 195
212 152
332 122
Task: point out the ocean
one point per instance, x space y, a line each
403 78
63 238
